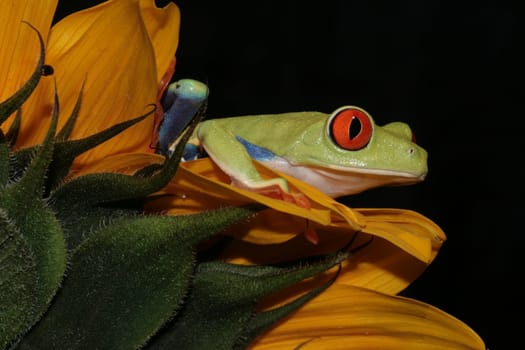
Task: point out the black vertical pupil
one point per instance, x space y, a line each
355 128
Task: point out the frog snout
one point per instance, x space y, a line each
418 157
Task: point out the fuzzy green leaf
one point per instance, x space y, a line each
32 183
5 155
262 321
42 231
86 202
65 152
14 128
14 102
126 281
221 310
25 209
79 226
17 282
67 129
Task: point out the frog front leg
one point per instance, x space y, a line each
233 158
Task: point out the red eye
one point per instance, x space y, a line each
350 128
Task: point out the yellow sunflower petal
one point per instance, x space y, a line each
416 223
348 317
163 26
381 266
19 47
108 48
375 264
123 163
411 231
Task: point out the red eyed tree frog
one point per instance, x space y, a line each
340 153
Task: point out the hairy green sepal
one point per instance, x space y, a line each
222 306
130 278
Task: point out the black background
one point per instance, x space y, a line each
450 69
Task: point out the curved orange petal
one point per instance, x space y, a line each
108 48
348 317
123 163
408 229
416 235
19 47
411 231
381 266
377 264
163 26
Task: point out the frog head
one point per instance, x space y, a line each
346 153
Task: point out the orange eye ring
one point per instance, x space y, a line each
350 128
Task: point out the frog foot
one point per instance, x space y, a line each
277 189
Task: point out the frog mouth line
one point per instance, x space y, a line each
337 181
378 172
331 168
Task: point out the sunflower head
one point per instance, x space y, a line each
104 244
